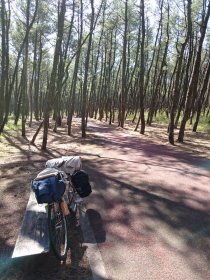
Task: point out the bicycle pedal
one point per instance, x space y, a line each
72 207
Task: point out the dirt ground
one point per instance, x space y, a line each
19 164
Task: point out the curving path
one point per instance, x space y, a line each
149 209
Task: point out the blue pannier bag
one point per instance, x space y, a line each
49 189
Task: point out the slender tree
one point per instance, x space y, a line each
25 71
50 94
4 78
14 75
202 96
124 93
176 92
71 103
142 70
87 61
192 90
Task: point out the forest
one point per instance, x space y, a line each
108 60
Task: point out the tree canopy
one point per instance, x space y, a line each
105 59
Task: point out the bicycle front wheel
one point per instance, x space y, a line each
58 231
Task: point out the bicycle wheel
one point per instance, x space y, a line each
58 231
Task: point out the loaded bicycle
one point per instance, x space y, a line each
61 186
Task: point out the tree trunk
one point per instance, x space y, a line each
87 60
71 104
13 79
4 77
142 71
201 97
176 92
36 134
123 96
50 94
192 90
25 73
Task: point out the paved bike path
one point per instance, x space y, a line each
149 209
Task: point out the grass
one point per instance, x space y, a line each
204 125
161 118
11 128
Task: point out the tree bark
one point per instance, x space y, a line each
142 71
50 94
192 90
25 73
201 97
87 60
13 78
71 103
123 96
4 78
176 93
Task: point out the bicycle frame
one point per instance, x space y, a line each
58 218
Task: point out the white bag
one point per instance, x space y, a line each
68 164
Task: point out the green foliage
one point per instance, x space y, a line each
11 126
161 51
161 118
203 125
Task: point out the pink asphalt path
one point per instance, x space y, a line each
149 209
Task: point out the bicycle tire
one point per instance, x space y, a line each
58 233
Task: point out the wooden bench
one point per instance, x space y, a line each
33 237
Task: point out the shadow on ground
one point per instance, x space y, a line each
121 195
149 212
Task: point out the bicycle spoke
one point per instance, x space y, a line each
58 232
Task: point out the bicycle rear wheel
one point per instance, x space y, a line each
58 231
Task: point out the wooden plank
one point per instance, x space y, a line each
34 236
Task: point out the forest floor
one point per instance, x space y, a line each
19 164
